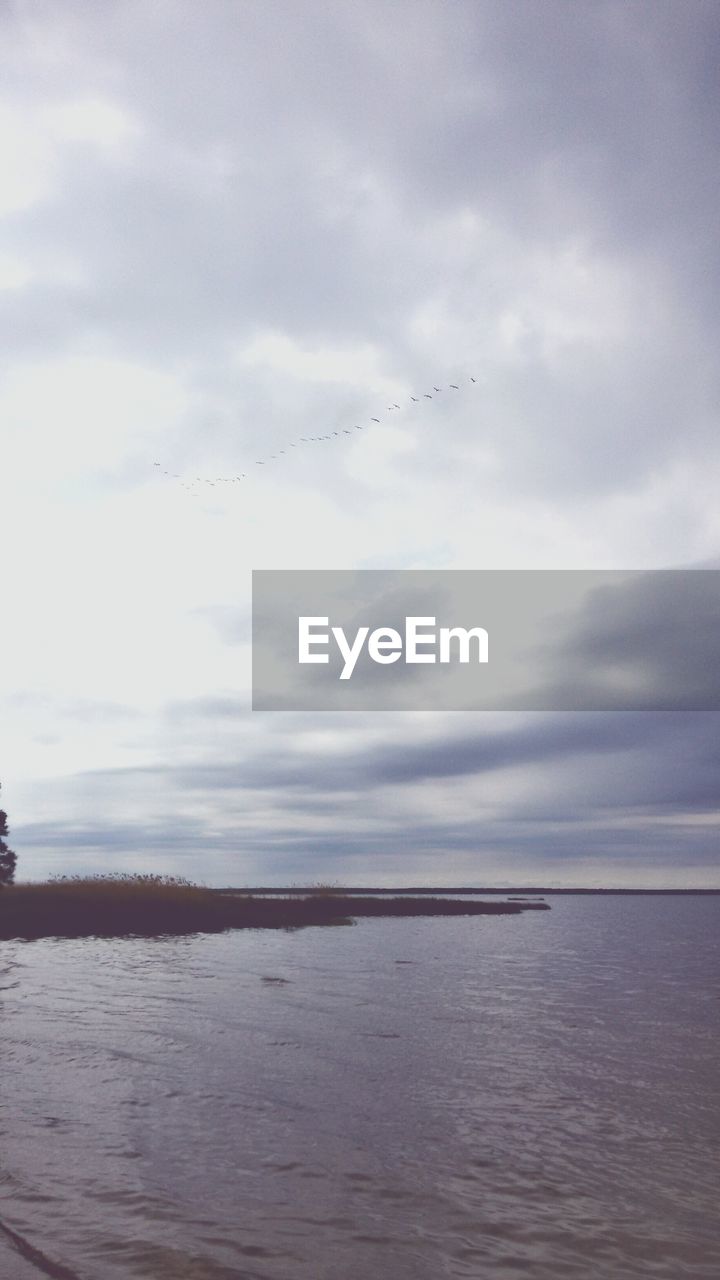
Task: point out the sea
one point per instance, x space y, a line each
523 1097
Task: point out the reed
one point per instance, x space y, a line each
148 905
144 904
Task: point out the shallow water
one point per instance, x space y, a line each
530 1096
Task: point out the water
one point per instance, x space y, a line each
515 1097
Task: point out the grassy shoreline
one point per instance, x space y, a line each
110 906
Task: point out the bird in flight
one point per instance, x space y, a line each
294 444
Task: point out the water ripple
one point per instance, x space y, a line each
416 1098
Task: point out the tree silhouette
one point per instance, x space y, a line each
7 857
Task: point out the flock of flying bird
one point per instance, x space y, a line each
194 487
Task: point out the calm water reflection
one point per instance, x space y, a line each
516 1097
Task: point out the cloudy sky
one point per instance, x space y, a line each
231 226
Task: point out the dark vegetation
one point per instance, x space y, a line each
84 906
7 857
486 890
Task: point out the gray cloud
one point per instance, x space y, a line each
583 786
524 193
658 632
290 172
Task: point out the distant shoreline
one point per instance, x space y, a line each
146 905
422 890
124 905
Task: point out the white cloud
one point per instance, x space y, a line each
25 162
89 120
250 231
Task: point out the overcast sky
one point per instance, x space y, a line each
231 225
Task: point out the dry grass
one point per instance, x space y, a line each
122 903
125 904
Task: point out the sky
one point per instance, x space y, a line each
228 227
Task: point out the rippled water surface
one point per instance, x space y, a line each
531 1096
